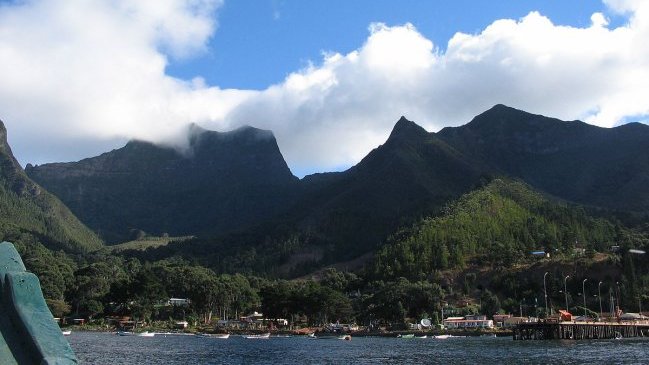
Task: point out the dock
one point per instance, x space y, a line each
579 331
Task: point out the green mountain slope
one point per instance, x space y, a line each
412 174
27 209
500 224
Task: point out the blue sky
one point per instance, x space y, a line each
329 78
259 42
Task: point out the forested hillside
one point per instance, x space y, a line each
29 213
499 224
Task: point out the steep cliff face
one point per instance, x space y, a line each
25 207
222 182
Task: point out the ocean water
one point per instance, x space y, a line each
105 348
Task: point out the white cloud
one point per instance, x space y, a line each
71 71
75 71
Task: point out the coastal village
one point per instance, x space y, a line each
255 324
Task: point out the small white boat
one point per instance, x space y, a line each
67 333
220 336
139 334
262 336
411 335
442 337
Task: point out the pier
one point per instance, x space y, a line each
579 331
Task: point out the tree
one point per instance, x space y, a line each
490 303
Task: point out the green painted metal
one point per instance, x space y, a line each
30 334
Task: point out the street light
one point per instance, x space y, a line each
599 294
565 291
583 292
617 285
545 293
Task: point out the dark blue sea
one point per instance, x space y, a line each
105 348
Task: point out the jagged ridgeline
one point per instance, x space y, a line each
499 224
29 213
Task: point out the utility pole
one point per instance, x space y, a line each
545 293
599 294
583 292
565 291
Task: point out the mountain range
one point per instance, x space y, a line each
226 185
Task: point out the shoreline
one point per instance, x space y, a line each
302 332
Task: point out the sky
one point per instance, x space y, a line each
329 78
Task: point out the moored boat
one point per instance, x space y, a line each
139 334
334 337
261 336
67 333
220 336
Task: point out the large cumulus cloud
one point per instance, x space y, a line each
97 73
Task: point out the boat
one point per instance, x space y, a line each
220 336
139 334
411 335
442 337
262 336
424 336
334 337
67 333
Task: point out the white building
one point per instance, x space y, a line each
468 322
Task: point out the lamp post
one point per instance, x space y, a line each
617 286
583 292
565 291
599 294
545 293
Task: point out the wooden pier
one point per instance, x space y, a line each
579 331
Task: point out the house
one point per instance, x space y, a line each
341 327
579 251
512 321
179 302
477 321
499 319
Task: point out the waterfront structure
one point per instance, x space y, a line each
477 321
579 331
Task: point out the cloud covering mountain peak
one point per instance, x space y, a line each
90 74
